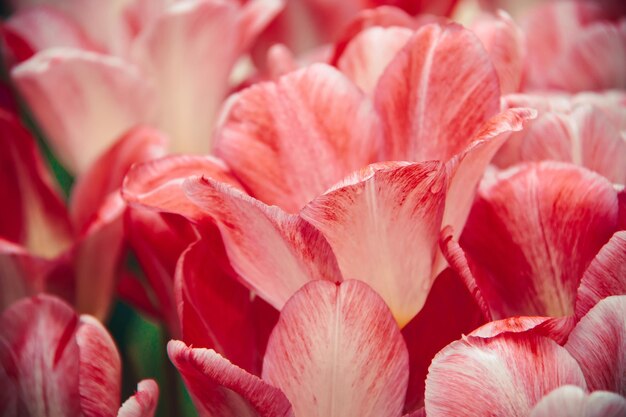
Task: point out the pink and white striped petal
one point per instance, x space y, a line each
220 388
157 184
605 276
572 401
504 41
368 54
290 140
83 101
275 253
497 376
598 343
435 94
383 225
143 403
337 351
521 232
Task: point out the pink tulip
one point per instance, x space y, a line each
54 362
75 251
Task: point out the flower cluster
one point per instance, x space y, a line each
353 208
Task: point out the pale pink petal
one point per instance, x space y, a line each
39 356
572 401
157 185
218 312
435 94
532 233
44 27
467 167
186 58
100 374
83 101
290 140
605 276
220 388
598 343
143 403
368 54
585 136
275 253
383 225
337 351
255 17
105 176
596 61
511 324
449 312
504 41
501 376
280 61
98 257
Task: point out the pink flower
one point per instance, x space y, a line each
54 362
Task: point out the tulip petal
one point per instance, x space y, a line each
84 101
220 388
43 27
275 253
143 403
435 94
383 225
572 401
368 54
216 311
598 343
605 276
521 232
336 351
33 214
100 369
157 185
497 376
290 140
39 353
105 176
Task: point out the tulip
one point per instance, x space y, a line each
54 362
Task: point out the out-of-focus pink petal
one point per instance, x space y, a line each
44 27
107 173
522 230
605 276
467 168
275 253
220 388
504 41
368 54
280 61
449 312
215 310
97 258
337 351
572 401
497 376
33 214
100 374
435 94
383 225
156 185
596 61
598 343
436 7
184 54
290 140
254 18
84 101
143 403
39 356
585 136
